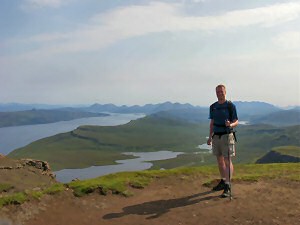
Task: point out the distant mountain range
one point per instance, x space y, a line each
147 109
247 107
279 118
253 112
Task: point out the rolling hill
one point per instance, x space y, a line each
279 118
41 116
102 145
282 154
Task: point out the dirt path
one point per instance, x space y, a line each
169 201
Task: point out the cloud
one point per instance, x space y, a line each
288 40
35 4
122 23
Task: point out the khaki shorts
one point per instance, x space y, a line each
222 144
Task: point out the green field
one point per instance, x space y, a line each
102 145
288 150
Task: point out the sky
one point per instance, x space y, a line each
130 52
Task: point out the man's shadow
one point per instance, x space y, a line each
157 208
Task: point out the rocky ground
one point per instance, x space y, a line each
25 174
167 201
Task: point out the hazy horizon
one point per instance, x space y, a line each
129 105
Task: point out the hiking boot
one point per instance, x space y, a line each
220 186
227 191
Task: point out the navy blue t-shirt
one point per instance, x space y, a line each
220 113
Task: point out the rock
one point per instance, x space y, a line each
13 164
39 164
37 189
6 167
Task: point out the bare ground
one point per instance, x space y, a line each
167 201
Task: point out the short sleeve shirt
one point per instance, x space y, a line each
220 113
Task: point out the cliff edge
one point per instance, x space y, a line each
25 174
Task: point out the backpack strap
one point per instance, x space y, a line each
230 110
211 108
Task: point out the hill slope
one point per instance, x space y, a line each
19 175
101 145
41 116
282 154
177 198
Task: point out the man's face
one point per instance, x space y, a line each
221 93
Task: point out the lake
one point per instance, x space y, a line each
139 163
15 137
18 136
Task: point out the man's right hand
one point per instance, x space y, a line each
209 141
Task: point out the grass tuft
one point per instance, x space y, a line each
55 188
20 197
5 187
17 198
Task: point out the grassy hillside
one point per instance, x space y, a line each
288 150
102 145
253 143
282 154
41 116
256 140
121 183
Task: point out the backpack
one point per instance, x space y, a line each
230 110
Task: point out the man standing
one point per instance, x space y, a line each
223 118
